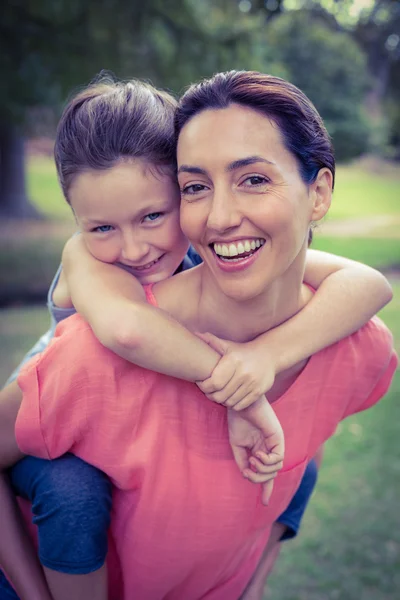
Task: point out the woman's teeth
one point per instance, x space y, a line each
238 248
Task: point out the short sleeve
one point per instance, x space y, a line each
64 391
374 362
57 313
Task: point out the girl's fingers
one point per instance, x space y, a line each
268 458
234 393
265 468
218 381
258 477
245 402
267 491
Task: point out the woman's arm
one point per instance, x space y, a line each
348 295
18 558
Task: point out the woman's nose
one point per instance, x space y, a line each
224 213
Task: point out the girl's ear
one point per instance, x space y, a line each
321 191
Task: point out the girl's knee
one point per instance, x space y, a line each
71 486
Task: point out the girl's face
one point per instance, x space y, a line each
244 206
129 215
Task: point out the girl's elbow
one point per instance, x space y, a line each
385 289
119 337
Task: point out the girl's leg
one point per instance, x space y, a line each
71 505
17 553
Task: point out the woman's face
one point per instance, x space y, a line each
244 205
129 215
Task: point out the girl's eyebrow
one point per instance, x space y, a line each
88 221
236 164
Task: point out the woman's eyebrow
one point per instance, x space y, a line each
190 169
245 162
236 164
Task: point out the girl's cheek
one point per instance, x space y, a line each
105 251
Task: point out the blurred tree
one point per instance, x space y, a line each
330 68
378 33
48 47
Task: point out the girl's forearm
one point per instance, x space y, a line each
18 558
150 338
339 308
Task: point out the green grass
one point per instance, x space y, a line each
44 189
362 193
20 328
376 252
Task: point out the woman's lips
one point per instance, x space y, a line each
237 263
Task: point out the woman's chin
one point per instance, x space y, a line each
242 290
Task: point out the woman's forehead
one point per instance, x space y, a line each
231 134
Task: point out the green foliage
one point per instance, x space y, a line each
330 68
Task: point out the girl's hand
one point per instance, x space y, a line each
257 442
240 377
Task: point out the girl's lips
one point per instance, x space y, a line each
234 265
148 269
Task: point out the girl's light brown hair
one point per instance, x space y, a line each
109 121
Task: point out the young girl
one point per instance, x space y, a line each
133 223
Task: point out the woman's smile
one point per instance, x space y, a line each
231 256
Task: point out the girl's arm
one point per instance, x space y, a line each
348 295
114 304
18 558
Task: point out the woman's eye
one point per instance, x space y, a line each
195 188
255 181
103 228
152 216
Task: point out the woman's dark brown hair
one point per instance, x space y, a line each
110 121
303 131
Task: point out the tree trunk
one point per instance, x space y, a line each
14 202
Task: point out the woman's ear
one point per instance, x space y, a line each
321 191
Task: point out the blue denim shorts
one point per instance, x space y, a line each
71 506
293 515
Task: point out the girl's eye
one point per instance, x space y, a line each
103 228
255 181
195 188
152 216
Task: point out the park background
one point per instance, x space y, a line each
345 54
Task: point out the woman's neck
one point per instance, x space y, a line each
242 321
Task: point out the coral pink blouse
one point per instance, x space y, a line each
185 523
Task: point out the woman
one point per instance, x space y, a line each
186 524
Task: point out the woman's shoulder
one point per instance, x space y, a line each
358 370
370 346
178 294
